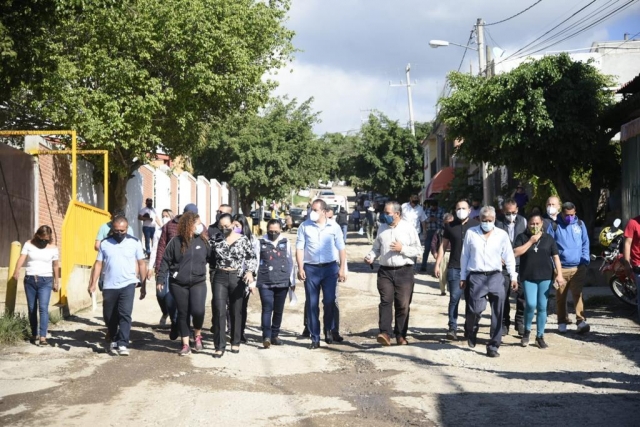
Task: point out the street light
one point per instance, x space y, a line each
442 43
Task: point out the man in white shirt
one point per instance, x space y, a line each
484 250
413 213
149 219
397 245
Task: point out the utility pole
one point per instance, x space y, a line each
482 63
408 85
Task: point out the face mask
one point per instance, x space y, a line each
273 235
149 205
476 206
511 217
237 230
487 226
218 216
462 214
226 231
314 216
165 220
552 210
569 218
41 243
199 229
119 237
414 202
386 219
535 230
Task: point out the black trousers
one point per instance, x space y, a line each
395 286
117 305
227 285
190 300
520 302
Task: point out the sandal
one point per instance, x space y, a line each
43 341
235 350
218 354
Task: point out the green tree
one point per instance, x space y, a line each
132 76
266 155
341 155
459 188
389 158
551 118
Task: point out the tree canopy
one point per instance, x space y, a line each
132 76
549 118
266 155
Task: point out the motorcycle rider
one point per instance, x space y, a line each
631 252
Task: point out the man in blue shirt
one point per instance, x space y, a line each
319 246
572 239
119 255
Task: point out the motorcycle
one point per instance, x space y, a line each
622 286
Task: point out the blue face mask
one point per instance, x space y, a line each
487 226
386 219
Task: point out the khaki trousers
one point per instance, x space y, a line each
575 278
443 272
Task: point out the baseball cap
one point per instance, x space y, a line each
191 208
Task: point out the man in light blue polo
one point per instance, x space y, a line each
319 246
119 255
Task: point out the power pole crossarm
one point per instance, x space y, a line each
408 85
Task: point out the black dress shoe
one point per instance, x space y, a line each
328 339
305 333
505 330
471 341
314 345
243 339
337 337
452 335
276 341
493 353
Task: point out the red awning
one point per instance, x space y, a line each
441 181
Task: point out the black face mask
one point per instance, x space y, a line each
41 243
273 235
227 231
414 202
118 237
149 205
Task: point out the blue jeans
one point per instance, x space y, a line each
117 305
38 290
166 302
273 300
326 278
427 249
344 232
455 295
638 293
536 295
148 236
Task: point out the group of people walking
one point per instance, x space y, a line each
485 259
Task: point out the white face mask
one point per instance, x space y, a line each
511 217
552 210
165 220
314 216
199 229
462 214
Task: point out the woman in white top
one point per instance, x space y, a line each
41 277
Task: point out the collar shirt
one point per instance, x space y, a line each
321 243
510 229
439 222
485 254
404 233
413 215
119 261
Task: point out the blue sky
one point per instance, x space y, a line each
351 49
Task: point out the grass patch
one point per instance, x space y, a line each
297 200
14 328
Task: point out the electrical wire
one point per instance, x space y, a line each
513 16
466 49
618 47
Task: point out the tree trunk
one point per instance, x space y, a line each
118 191
245 204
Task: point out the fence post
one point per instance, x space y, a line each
12 284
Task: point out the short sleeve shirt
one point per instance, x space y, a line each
632 231
537 265
413 215
454 232
105 228
152 214
39 261
119 261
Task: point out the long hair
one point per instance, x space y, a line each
185 229
169 211
44 233
246 230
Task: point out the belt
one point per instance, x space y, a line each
636 269
322 264
485 273
384 267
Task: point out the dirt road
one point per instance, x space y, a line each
590 380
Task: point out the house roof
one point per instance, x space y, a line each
631 87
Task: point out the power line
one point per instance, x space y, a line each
513 16
466 49
618 47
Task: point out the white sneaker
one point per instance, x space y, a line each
163 320
123 351
583 327
113 348
562 328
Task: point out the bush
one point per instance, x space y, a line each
14 328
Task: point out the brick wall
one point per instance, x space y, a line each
147 184
54 192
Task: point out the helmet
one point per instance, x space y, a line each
607 235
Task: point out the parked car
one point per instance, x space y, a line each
298 215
